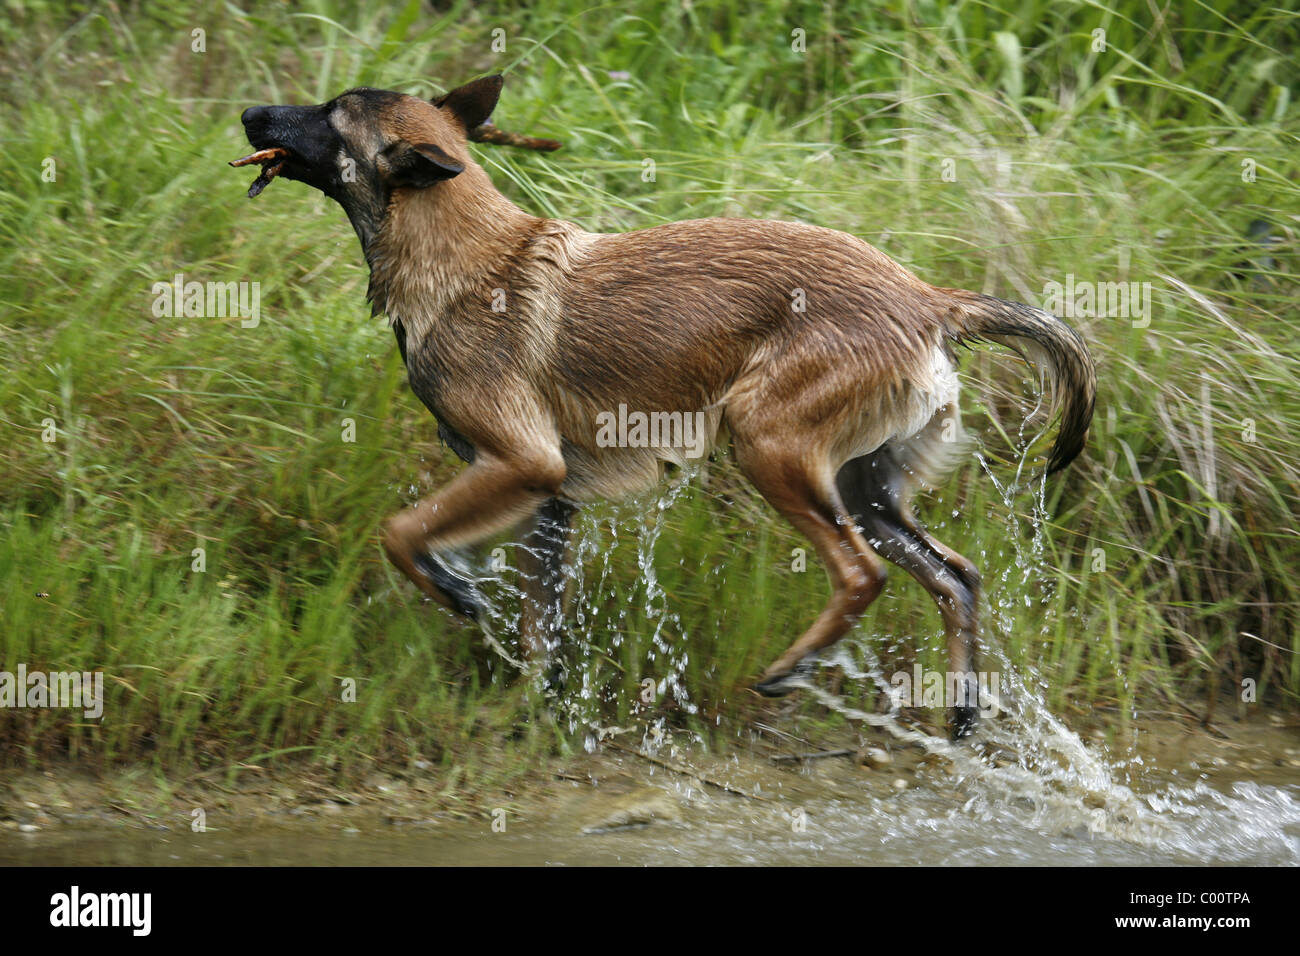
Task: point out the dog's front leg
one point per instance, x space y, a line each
540 556
487 497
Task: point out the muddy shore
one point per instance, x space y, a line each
294 813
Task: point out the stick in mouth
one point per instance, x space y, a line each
272 161
488 133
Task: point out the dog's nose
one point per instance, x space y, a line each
253 115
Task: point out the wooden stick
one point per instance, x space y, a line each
687 772
814 756
487 133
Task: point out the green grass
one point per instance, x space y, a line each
1167 565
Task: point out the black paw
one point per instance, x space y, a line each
964 720
461 590
554 678
782 684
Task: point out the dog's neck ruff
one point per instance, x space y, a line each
438 246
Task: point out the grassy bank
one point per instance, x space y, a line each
991 149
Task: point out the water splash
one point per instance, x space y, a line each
1027 761
597 628
1025 769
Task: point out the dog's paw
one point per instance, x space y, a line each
554 678
798 676
964 721
461 590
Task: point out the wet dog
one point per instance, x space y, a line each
829 368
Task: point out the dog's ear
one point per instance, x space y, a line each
474 102
419 164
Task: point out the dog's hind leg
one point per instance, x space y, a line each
877 491
788 477
540 557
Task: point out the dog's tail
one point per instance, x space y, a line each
1048 343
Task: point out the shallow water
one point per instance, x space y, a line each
1026 791
1190 806
1253 826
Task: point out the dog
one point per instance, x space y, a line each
829 367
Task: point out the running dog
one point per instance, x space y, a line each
830 368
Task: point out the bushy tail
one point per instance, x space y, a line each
1050 344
